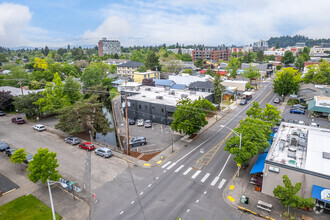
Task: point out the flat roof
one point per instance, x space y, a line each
169 97
301 146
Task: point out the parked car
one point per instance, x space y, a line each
301 122
29 158
3 146
137 141
10 152
72 140
18 120
2 113
299 106
277 101
243 102
140 122
291 121
131 121
297 111
103 152
279 122
87 146
313 124
148 124
39 127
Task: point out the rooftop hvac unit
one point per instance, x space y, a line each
184 95
159 97
294 141
148 89
295 133
172 92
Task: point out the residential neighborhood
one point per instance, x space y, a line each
153 124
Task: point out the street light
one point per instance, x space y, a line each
240 143
49 183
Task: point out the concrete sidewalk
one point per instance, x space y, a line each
241 185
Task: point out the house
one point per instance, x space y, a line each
240 85
116 61
201 86
303 154
186 79
163 83
128 68
139 76
265 69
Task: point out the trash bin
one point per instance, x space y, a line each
247 200
243 199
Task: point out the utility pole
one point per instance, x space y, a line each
127 124
20 85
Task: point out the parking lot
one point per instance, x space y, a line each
71 159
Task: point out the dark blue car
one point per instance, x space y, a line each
297 111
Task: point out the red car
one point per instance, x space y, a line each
87 146
18 120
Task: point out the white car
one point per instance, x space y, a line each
301 122
313 124
39 127
140 122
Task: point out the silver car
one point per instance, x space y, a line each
72 140
103 152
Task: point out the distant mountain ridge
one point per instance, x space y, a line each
285 41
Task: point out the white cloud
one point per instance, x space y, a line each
13 19
210 22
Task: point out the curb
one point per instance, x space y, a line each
12 190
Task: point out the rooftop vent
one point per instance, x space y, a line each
159 97
172 92
326 155
148 89
294 141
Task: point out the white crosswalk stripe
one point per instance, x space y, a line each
215 181
187 171
221 183
196 174
205 177
166 164
179 168
172 165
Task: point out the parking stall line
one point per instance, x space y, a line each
205 177
196 174
172 165
179 168
221 183
187 171
215 181
166 164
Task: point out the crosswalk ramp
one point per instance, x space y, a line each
197 175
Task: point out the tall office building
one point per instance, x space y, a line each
109 47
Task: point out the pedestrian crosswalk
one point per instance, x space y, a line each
196 175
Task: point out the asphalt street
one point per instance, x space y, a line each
175 188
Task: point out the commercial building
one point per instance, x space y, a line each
157 104
128 69
186 79
183 51
260 45
265 69
240 85
319 106
139 76
211 53
303 154
109 47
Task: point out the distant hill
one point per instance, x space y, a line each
285 41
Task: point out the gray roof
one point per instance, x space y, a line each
131 64
201 84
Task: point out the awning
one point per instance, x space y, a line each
321 193
259 165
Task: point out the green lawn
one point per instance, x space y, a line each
26 207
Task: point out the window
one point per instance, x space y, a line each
139 106
146 107
153 108
162 110
203 90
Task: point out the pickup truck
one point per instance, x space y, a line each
18 120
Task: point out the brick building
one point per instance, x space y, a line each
109 47
211 53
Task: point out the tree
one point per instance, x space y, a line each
6 100
172 64
271 114
299 64
40 64
83 116
255 135
152 62
204 105
43 166
287 58
188 71
287 81
187 118
233 66
248 58
209 71
138 56
277 45
113 69
288 197
91 76
27 104
260 56
71 89
305 53
251 73
199 63
255 111
218 89
53 97
46 51
16 75
19 156
142 69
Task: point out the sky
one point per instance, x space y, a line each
57 23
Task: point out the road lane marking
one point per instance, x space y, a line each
205 177
172 165
188 210
132 202
121 212
221 183
231 187
179 168
196 174
205 192
187 171
216 133
164 171
149 185
215 181
224 165
157 177
141 193
166 164
197 201
231 199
